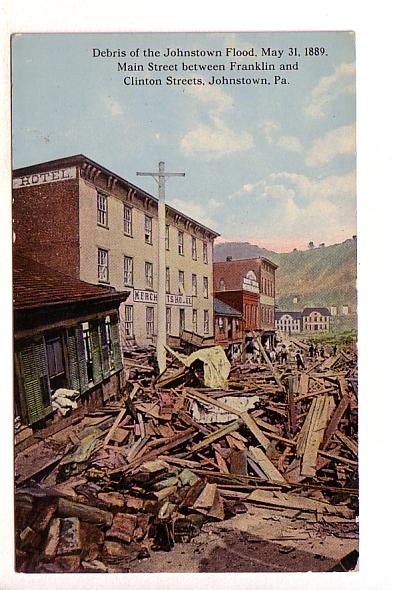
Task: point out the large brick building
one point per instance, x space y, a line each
76 216
248 286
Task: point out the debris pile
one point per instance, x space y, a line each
144 473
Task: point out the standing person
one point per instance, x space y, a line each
284 354
273 355
335 350
299 361
322 352
311 350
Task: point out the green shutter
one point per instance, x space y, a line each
35 381
96 353
80 350
104 350
115 337
73 360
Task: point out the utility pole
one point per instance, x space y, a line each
161 177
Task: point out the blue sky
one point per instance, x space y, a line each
272 165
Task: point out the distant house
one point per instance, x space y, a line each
289 321
311 319
316 319
227 325
66 335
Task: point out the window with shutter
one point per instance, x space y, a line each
35 381
105 349
96 353
73 360
82 361
115 337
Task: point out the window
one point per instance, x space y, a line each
194 283
195 321
56 370
103 265
127 218
180 242
148 230
206 321
168 320
194 248
205 258
102 209
181 282
129 320
106 345
167 237
221 325
205 287
167 280
149 321
221 285
149 275
182 320
128 271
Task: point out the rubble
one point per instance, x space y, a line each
148 471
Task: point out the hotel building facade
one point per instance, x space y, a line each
74 215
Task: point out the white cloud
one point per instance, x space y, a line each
329 88
215 140
290 143
211 95
336 142
271 132
291 207
194 209
112 106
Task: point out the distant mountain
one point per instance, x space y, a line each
321 276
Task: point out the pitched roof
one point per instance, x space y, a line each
321 310
296 315
221 308
35 285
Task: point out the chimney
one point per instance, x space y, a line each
229 258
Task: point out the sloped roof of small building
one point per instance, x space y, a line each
35 285
296 315
221 308
321 310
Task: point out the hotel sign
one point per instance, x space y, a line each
151 297
44 177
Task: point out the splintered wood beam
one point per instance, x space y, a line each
268 362
216 435
244 416
266 465
334 422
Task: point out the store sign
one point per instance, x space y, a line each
44 177
151 297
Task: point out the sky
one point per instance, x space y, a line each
273 165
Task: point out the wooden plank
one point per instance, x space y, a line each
266 465
349 443
238 462
303 384
222 465
334 422
338 458
292 418
216 435
283 500
255 430
206 497
268 362
116 423
320 414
